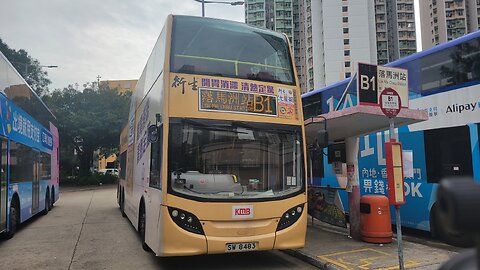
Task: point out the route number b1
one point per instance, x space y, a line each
367 83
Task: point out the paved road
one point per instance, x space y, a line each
85 230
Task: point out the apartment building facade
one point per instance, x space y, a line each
343 34
444 20
284 16
395 27
330 37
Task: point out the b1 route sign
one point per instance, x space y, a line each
390 102
373 79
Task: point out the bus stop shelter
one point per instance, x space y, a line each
348 125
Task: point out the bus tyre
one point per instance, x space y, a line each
12 228
52 198
454 238
141 228
122 204
47 203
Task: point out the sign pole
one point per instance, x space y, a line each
397 207
392 129
399 237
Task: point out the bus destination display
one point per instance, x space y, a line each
229 101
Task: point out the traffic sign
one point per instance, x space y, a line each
373 79
390 102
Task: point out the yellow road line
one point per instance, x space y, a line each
365 263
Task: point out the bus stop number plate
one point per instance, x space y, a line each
238 247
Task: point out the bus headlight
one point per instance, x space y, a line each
289 217
186 220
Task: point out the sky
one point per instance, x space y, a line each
89 38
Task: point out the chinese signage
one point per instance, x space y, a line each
372 80
142 141
236 95
390 102
229 101
22 128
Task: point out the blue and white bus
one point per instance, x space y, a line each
29 174
445 82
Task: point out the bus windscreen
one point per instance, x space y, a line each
213 159
229 49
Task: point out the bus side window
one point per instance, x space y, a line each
448 153
156 161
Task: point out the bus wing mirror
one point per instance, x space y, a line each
322 139
153 133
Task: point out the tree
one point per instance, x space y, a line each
28 67
89 120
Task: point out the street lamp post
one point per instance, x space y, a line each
26 65
235 3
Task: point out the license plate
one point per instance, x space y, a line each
238 247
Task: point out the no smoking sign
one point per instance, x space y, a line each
390 102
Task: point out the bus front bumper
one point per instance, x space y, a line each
221 236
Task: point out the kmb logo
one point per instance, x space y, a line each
242 211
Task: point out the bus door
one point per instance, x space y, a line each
35 182
3 184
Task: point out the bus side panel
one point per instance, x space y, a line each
24 191
55 165
153 195
474 136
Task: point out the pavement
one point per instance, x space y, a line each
330 247
91 214
86 231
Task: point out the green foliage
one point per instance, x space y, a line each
92 117
28 67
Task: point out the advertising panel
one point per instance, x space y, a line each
22 128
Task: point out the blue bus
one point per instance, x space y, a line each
29 175
445 82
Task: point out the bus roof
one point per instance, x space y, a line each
247 26
407 59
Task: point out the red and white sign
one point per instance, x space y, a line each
390 102
242 211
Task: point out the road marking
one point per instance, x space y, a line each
364 259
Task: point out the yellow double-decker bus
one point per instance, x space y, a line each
216 148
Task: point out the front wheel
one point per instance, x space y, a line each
13 226
141 229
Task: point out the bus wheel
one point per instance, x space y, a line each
47 203
52 198
141 227
122 204
14 220
454 238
